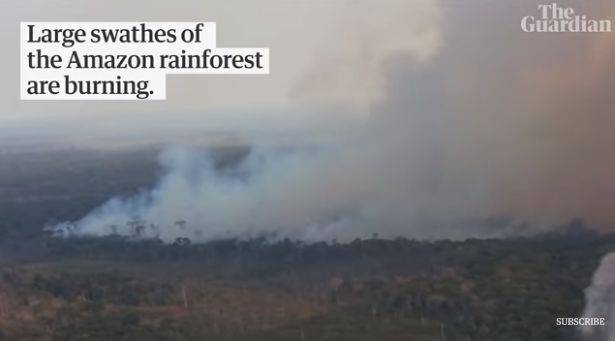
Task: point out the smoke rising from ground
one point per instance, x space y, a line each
600 301
475 119
300 194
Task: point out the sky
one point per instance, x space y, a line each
327 54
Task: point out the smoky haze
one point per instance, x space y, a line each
468 118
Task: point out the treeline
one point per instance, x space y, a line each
363 256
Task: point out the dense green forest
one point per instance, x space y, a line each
97 289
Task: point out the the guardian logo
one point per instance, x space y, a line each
553 18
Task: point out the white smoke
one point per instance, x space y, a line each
340 192
600 301
399 174
469 119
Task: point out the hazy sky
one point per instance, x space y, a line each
324 54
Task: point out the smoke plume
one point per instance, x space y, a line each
600 301
474 119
